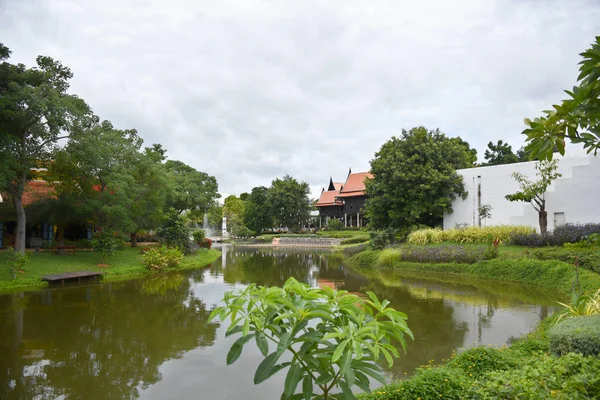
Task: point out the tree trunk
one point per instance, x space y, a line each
543 216
21 223
133 236
60 233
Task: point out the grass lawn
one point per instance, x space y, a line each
125 264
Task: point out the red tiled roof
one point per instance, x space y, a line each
36 190
328 198
338 185
355 184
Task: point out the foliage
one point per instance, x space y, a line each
17 261
572 376
567 233
444 254
35 113
195 191
471 234
381 239
499 153
335 224
174 232
388 257
335 338
576 119
289 203
415 179
581 305
161 258
355 239
576 335
234 209
477 361
206 243
199 236
585 258
534 192
106 243
258 216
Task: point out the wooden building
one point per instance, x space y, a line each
329 206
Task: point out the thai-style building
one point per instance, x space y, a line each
346 201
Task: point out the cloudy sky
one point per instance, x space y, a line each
250 90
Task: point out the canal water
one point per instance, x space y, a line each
150 338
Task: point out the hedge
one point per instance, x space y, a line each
576 335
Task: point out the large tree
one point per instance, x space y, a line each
257 216
499 153
288 202
35 113
195 191
234 209
534 192
415 178
576 119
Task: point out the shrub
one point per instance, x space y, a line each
381 239
576 335
199 236
161 258
572 376
388 257
471 234
106 243
17 261
335 225
480 360
568 233
356 239
206 243
443 254
174 232
586 258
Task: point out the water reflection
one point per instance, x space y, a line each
150 338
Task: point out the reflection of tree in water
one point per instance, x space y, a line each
432 322
102 341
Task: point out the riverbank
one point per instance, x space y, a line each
548 274
125 264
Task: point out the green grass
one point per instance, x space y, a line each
125 264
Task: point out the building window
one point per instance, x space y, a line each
559 219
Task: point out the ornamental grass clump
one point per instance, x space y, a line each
334 339
470 234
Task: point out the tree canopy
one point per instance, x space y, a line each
257 216
288 202
576 119
499 153
195 191
415 178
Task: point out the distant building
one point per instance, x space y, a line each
344 202
573 198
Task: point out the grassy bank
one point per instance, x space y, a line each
549 274
125 264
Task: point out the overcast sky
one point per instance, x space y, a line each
250 90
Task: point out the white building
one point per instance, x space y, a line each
573 198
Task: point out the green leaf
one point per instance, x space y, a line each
307 387
261 342
350 377
346 391
232 330
266 368
338 351
324 378
214 313
284 341
346 361
236 349
291 380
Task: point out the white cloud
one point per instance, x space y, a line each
251 90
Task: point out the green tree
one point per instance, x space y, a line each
415 179
35 113
288 202
500 153
576 119
215 215
234 209
195 191
534 192
257 216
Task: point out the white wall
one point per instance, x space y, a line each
576 194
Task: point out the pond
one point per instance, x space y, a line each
150 338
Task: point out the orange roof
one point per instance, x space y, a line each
328 198
355 184
36 190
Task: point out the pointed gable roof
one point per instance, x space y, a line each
355 184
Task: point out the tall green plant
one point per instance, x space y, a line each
105 243
335 338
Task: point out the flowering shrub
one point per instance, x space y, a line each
471 234
158 259
443 254
206 243
568 233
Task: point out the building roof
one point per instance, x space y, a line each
355 184
36 190
328 198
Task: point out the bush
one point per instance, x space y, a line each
206 243
572 376
480 360
388 257
174 233
335 225
106 243
17 261
161 258
576 335
381 239
568 233
199 236
443 254
354 240
365 259
471 234
586 258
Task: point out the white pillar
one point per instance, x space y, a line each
358 220
224 230
345 220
